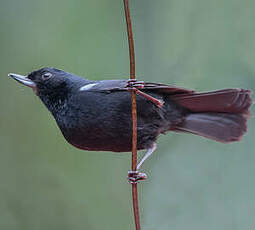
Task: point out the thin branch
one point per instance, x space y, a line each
130 40
134 112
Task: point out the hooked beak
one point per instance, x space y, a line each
23 80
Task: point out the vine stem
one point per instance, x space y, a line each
134 112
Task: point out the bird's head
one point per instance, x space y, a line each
46 80
51 85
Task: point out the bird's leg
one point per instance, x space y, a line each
136 176
134 85
147 154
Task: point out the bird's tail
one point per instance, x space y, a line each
219 115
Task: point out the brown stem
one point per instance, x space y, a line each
156 101
134 112
130 40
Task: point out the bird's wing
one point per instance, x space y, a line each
110 85
166 89
120 85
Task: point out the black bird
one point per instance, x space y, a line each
96 115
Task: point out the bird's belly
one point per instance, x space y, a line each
106 139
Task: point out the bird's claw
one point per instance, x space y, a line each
135 177
134 84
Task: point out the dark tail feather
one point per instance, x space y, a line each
221 101
220 115
220 127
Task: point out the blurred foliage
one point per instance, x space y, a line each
193 183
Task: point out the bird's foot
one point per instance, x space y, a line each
135 176
134 84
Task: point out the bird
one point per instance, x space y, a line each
96 115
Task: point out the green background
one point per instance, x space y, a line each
193 183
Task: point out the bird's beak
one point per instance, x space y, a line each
23 80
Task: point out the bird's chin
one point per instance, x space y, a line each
35 90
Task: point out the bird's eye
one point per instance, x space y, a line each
46 76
